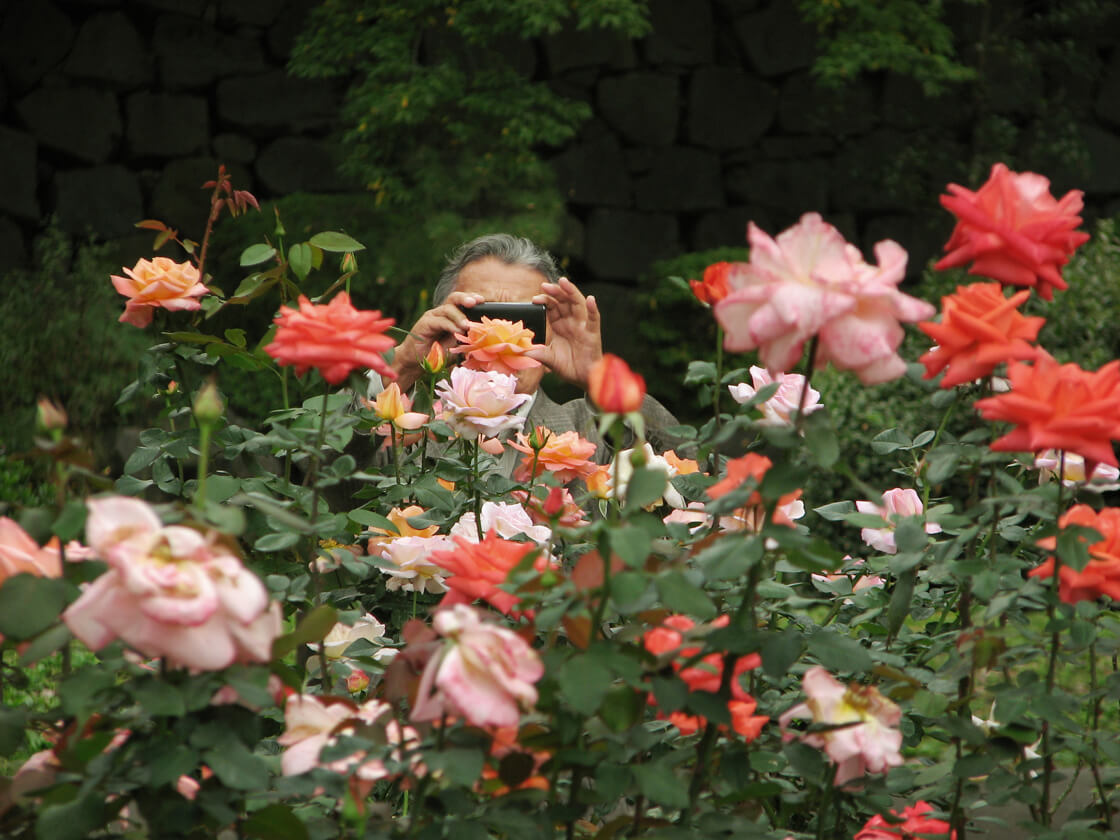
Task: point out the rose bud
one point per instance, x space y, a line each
614 387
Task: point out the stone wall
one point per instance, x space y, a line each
116 111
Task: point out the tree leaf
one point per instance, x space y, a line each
29 605
299 260
660 784
645 487
256 254
839 653
682 596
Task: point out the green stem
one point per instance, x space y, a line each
396 452
1094 723
719 374
203 463
1052 663
477 491
826 800
809 363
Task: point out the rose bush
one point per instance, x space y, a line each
285 631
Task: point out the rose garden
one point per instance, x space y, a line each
349 621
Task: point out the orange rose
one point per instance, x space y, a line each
1101 575
1059 407
159 282
739 471
333 338
477 569
19 554
565 456
614 387
979 329
714 287
683 466
497 345
399 517
396 407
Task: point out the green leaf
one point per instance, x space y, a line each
821 439
71 521
645 487
275 822
333 240
631 543
584 682
299 260
256 254
682 596
45 644
314 626
660 784
699 372
277 541
159 699
169 763
627 591
372 519
29 605
839 653
889 441
910 534
236 767
13 723
461 766
622 708
835 512
901 598
236 337
941 463
73 820
780 651
1073 546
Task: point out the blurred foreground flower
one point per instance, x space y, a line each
1013 230
160 282
1103 479
810 282
484 673
19 554
478 568
497 345
864 735
334 338
170 591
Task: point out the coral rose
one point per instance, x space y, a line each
478 568
480 402
19 554
564 455
614 387
705 675
170 591
869 743
158 282
334 338
979 329
484 674
1057 406
753 467
498 345
1101 575
912 824
810 282
1013 230
713 288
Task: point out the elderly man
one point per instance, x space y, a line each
505 268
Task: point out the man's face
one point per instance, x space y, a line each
499 282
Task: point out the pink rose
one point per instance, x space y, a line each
480 402
896 503
409 565
170 591
158 282
871 741
810 282
316 722
485 673
778 410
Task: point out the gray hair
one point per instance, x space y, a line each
512 250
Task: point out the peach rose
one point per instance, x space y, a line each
564 455
498 345
158 282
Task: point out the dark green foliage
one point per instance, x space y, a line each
59 337
443 117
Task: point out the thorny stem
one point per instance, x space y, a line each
1094 722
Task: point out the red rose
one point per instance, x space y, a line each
713 288
1101 575
913 824
1013 230
334 338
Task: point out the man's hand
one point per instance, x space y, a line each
574 342
437 325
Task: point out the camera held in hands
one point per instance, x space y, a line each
532 315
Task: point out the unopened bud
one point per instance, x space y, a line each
436 360
50 415
357 681
208 405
